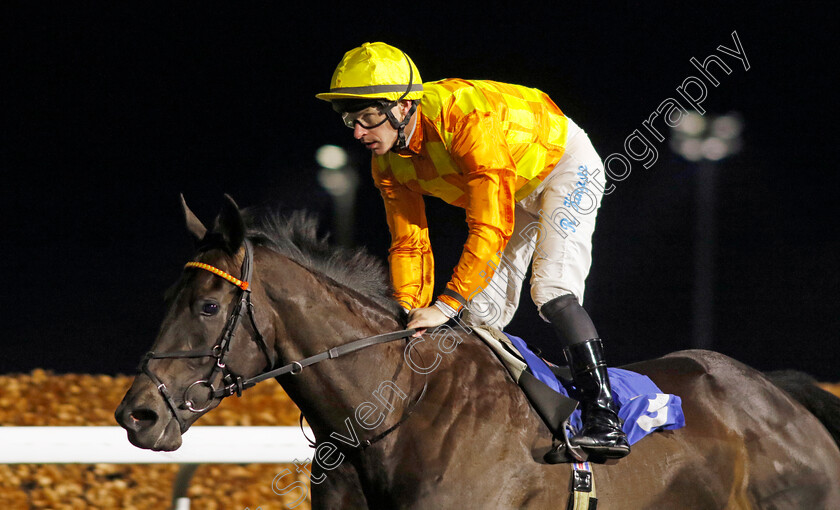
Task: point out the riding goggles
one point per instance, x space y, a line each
366 118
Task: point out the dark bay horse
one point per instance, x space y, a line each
436 421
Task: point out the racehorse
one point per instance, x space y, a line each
425 422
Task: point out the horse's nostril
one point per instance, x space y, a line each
143 418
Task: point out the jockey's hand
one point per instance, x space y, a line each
422 318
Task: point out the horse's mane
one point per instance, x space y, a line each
296 236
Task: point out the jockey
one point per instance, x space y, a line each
530 182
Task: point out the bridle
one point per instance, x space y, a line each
235 384
220 349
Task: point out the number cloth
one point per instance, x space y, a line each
641 404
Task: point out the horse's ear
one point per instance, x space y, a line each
194 225
230 225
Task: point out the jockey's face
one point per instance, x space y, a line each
371 128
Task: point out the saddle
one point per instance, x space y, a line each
552 406
642 406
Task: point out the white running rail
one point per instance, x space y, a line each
109 445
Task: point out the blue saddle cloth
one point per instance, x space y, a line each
641 404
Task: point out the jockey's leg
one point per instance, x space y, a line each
568 202
601 435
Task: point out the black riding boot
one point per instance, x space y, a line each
601 435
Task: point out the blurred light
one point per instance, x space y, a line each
337 182
340 180
714 149
697 138
705 142
692 125
727 127
690 149
331 156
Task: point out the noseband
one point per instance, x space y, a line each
235 384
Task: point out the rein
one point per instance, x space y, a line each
235 384
296 367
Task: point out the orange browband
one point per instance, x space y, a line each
218 272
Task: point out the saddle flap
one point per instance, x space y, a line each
553 407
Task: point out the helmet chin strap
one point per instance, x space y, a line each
400 125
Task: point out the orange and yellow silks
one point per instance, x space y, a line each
480 145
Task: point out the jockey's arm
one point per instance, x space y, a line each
410 256
490 181
488 234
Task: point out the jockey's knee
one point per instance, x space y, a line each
568 318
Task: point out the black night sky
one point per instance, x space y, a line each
111 110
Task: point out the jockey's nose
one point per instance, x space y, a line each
359 131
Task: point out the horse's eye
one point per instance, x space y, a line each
210 309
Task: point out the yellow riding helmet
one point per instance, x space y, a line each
375 70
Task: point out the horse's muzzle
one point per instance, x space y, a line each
144 415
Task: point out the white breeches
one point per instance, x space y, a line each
553 229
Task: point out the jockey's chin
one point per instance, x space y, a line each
377 147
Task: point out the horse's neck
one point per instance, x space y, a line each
314 314
320 313
368 393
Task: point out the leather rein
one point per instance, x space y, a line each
236 384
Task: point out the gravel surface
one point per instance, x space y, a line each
43 398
